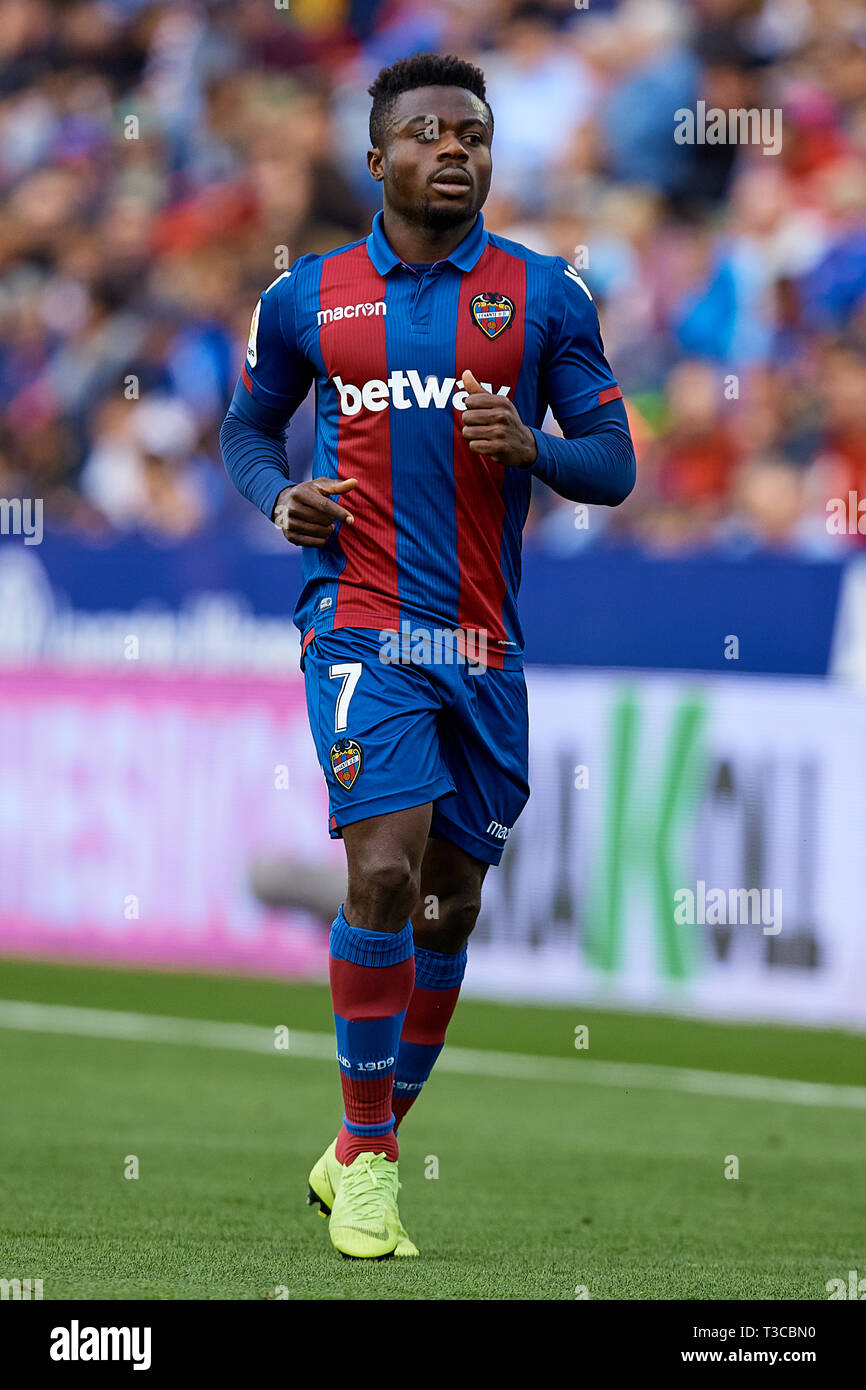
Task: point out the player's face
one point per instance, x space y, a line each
436 163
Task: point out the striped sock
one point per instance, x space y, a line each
372 973
437 984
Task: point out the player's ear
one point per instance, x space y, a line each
376 164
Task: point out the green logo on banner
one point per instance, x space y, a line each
643 834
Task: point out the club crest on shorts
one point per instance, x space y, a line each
346 761
492 313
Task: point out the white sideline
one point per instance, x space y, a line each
514 1066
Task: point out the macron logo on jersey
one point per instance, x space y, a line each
351 311
403 390
572 275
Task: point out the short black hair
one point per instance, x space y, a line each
421 70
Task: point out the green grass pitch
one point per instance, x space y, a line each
543 1187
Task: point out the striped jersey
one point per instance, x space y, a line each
436 542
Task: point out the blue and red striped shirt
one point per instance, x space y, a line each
437 534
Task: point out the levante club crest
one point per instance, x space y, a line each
346 761
492 313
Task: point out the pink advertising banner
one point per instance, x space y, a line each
132 807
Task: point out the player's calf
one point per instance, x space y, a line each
372 975
438 978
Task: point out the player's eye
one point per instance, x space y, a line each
473 137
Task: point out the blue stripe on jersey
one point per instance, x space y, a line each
429 579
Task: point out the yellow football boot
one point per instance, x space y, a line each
324 1182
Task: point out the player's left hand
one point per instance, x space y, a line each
492 426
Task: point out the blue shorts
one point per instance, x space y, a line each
391 735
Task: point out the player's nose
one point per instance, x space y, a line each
451 149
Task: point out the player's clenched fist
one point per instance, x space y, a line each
305 513
492 426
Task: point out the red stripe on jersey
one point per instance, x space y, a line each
245 378
613 393
478 480
367 588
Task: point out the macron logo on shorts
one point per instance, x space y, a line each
499 832
403 390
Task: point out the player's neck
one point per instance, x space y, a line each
413 243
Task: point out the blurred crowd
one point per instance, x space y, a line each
160 163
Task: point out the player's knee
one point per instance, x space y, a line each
458 914
386 885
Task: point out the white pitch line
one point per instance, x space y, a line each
27 1017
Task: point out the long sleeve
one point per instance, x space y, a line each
274 380
255 458
595 461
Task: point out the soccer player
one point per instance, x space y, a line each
435 348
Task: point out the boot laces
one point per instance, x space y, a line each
371 1197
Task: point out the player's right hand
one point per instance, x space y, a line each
305 513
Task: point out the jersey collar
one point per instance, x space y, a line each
463 257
